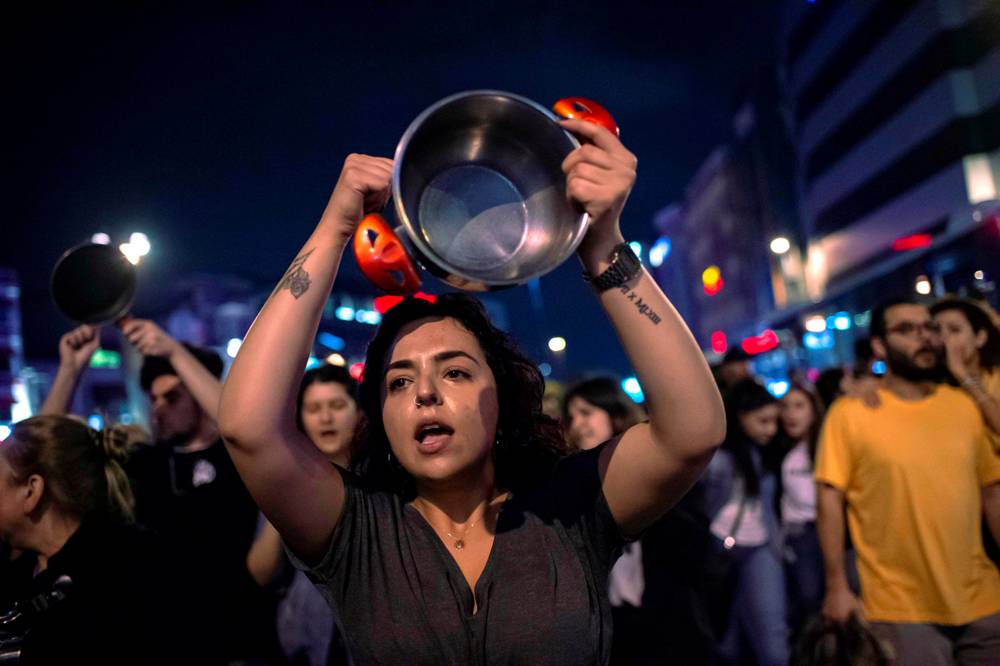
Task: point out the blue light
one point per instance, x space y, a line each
368 317
344 313
818 340
659 252
545 369
631 386
878 368
778 388
313 362
637 248
842 321
95 421
331 341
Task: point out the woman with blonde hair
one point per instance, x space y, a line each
65 501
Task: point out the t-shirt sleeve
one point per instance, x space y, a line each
349 536
582 506
834 461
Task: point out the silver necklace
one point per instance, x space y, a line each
459 542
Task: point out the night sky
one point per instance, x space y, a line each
220 131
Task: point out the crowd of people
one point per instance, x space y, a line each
447 510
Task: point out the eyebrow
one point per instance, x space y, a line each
442 356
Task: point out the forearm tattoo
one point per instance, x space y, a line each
296 279
644 309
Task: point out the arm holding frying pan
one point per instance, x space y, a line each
293 483
151 340
653 464
75 349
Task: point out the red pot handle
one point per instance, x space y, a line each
382 257
586 109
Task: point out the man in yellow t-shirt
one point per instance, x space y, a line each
915 474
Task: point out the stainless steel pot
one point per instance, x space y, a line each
480 195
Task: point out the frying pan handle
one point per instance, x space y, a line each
586 109
382 257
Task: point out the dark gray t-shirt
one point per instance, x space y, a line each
399 596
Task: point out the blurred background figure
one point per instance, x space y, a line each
328 413
792 455
553 398
740 492
734 368
101 589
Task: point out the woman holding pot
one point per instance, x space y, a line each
466 540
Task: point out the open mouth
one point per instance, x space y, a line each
327 433
432 431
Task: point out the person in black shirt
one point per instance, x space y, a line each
466 539
101 589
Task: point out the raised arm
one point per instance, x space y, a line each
295 486
75 349
151 340
655 463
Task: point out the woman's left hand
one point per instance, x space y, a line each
599 176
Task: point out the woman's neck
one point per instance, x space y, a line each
51 534
458 501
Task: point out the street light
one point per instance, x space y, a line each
557 344
923 285
780 245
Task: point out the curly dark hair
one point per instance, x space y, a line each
528 442
979 320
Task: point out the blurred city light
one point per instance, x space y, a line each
313 362
913 242
367 317
344 313
758 344
633 389
659 252
842 321
233 347
923 285
778 388
95 421
4 432
711 280
818 340
816 324
331 341
545 369
780 245
557 344
140 243
336 359
101 238
133 257
719 342
637 248
878 368
106 358
979 275
357 371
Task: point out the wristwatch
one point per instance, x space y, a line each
624 266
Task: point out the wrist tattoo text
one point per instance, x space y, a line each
296 279
644 309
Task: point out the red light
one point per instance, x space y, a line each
911 242
387 302
759 344
712 288
719 342
357 371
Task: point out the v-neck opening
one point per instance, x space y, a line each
472 595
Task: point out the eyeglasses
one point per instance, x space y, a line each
909 329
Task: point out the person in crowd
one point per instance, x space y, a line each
553 398
734 368
831 384
185 486
328 414
915 474
594 411
795 449
740 494
972 353
468 539
101 590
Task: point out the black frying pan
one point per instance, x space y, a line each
93 284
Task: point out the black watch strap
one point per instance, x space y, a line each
624 266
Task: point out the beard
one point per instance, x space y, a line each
903 366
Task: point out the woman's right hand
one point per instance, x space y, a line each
364 186
840 604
